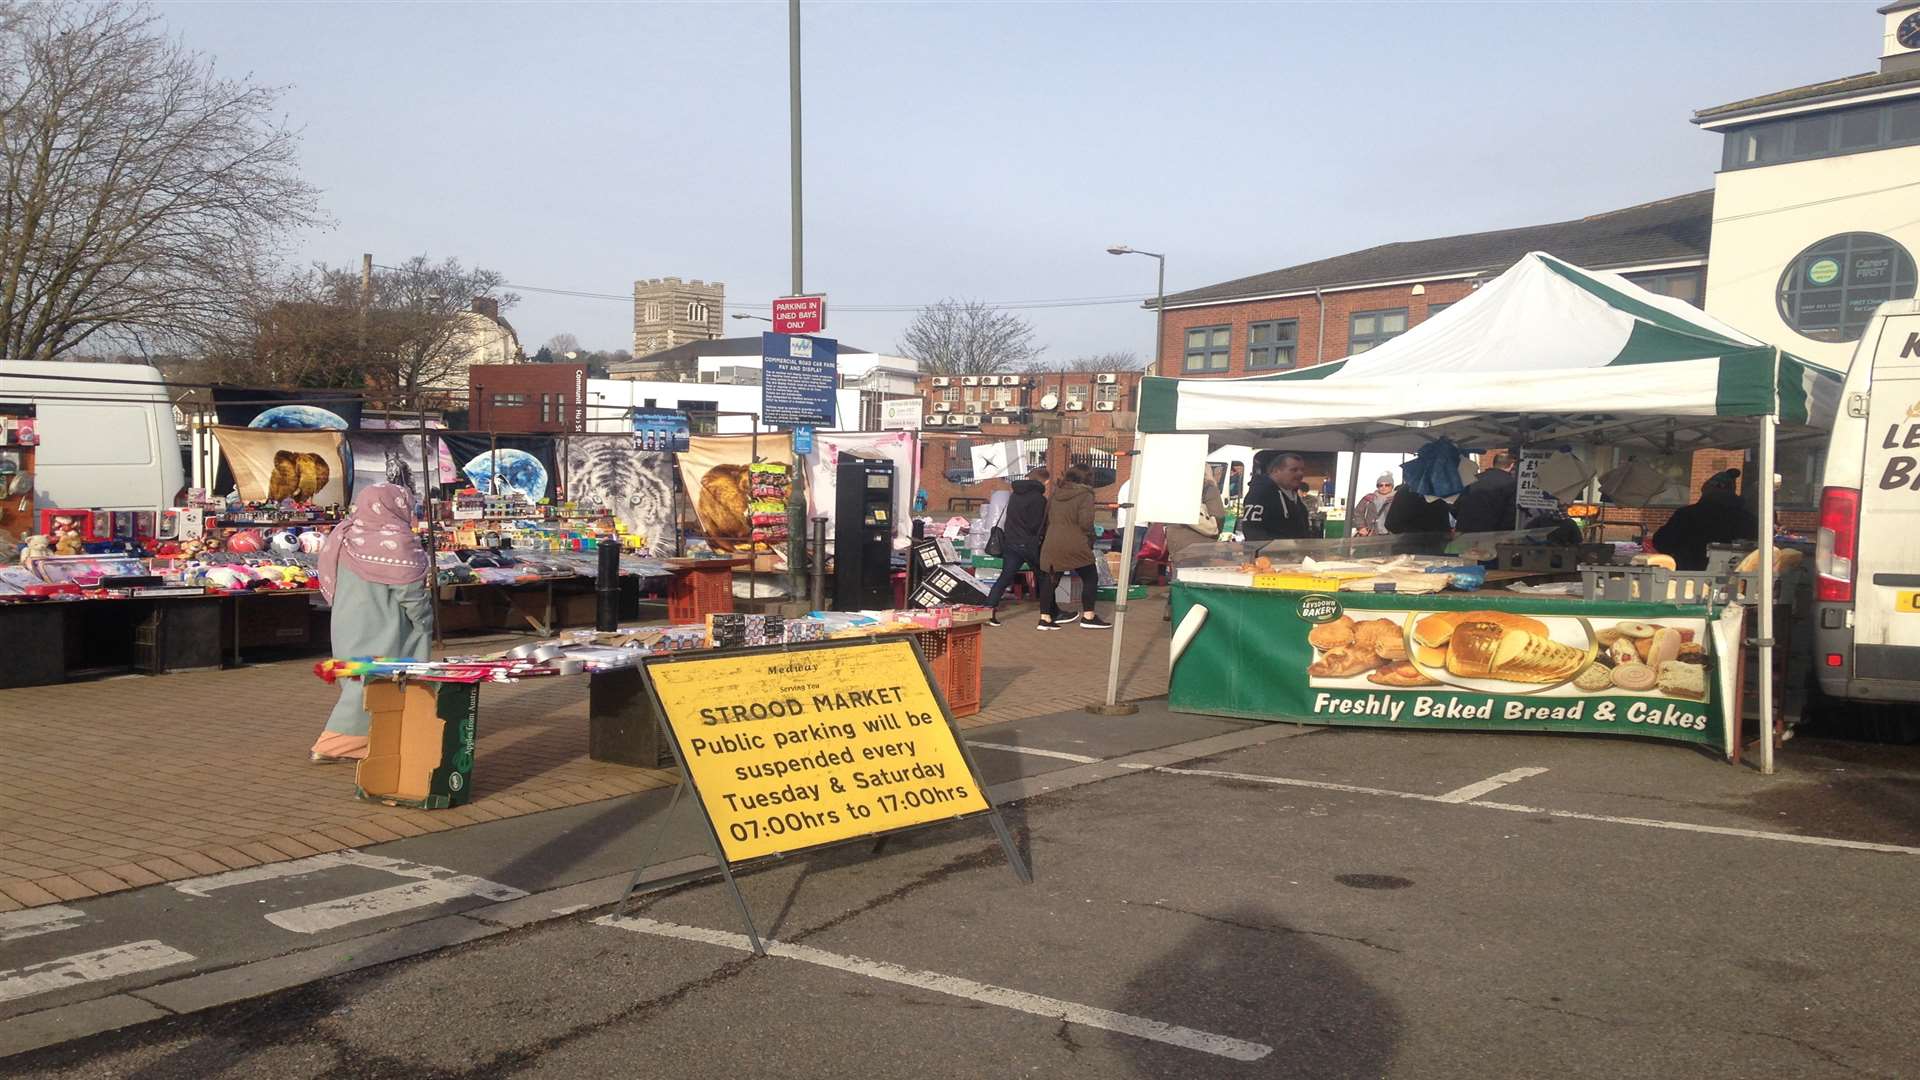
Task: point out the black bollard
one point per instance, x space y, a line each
606 587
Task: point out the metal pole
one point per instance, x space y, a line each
818 594
1353 491
1160 320
1768 428
793 105
429 477
1124 580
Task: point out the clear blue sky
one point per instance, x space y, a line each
988 150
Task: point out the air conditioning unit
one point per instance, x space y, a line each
1002 420
1106 378
942 380
1009 380
972 419
943 406
933 420
1076 406
970 380
1104 406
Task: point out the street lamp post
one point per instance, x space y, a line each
745 315
1159 305
1113 706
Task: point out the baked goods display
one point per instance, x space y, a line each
1349 647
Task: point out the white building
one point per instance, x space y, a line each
701 370
609 399
1814 211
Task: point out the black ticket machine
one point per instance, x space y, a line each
863 534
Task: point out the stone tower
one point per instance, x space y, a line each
669 312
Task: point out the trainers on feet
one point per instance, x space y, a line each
993 619
1094 622
1047 624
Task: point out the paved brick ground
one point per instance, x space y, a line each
132 781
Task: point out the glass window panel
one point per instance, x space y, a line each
1860 128
1259 333
1362 347
1364 324
1905 122
1221 336
1812 135
1394 324
1197 339
1286 331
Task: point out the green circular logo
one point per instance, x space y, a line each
1823 271
1315 608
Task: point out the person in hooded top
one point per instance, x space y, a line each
373 571
1274 509
1021 532
1068 549
1717 517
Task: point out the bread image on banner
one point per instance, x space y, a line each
276 464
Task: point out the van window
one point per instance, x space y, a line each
96 434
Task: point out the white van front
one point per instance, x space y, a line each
1867 555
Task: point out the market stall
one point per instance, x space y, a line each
1545 355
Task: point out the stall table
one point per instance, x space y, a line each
1523 663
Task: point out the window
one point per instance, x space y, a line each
1679 284
1207 348
1108 392
1435 309
700 416
1371 328
1270 345
951 393
1827 134
509 401
1077 394
697 312
1830 290
546 408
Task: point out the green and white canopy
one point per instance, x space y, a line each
1546 352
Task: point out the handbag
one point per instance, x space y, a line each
996 542
1208 525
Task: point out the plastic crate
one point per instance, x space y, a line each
1109 592
954 658
1545 558
1647 584
699 592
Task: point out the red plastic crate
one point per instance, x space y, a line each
698 592
954 658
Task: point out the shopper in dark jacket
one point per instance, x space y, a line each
1020 535
1488 503
1068 549
1274 509
1418 524
1719 517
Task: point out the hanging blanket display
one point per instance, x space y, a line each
716 472
282 410
448 473
273 465
635 485
520 463
899 447
390 458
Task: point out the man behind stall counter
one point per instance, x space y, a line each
1274 509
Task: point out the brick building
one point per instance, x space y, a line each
1066 417
669 312
1327 310
527 398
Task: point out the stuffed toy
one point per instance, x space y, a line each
69 544
312 541
38 547
285 542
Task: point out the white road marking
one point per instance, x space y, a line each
571 908
430 885
1061 754
986 993
1490 784
89 967
333 914
41 920
1515 808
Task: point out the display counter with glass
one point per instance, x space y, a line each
1407 631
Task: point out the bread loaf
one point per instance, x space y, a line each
1471 648
1535 658
1438 628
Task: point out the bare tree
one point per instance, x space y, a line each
563 343
140 193
955 337
1118 360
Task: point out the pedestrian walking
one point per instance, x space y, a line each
1020 535
1068 549
373 571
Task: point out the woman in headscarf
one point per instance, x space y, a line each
373 571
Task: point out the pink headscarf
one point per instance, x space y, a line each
376 539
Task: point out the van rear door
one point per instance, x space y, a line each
1887 568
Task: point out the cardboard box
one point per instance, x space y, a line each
420 746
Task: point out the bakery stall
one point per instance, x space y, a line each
1431 631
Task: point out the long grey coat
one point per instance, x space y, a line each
371 620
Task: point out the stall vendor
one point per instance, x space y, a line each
1488 504
1274 509
373 571
1719 517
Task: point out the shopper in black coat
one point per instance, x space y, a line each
1488 504
1021 534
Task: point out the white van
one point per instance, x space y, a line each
1867 554
106 433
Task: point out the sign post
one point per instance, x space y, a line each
790 748
800 314
798 379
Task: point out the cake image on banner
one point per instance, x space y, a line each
714 472
277 464
635 484
515 462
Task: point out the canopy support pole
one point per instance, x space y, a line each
1353 491
1768 429
1124 579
